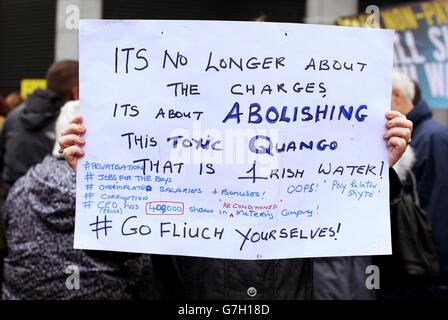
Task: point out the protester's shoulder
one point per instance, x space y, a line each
433 127
51 172
435 133
19 187
430 132
18 192
54 172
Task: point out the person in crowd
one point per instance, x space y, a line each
4 111
344 278
206 278
28 133
414 264
41 262
14 100
7 104
430 142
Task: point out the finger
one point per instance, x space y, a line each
74 128
396 147
72 154
76 119
400 122
403 133
70 140
397 143
73 151
393 114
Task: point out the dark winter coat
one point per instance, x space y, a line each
28 135
40 218
207 278
288 279
344 278
430 142
194 278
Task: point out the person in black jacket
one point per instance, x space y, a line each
28 133
430 142
344 278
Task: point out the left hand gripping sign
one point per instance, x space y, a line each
241 140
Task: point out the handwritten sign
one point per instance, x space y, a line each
242 140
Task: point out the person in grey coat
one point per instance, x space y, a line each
41 262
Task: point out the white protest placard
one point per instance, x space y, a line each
242 140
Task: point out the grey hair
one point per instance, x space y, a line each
403 83
68 111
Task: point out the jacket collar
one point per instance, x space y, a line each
420 113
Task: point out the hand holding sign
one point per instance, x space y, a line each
271 173
398 134
71 141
